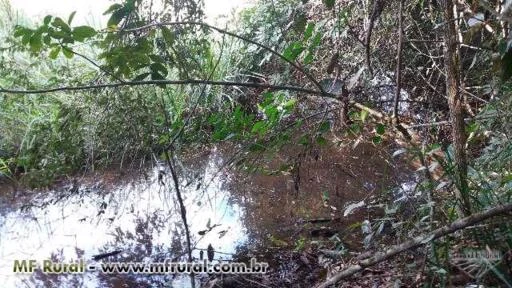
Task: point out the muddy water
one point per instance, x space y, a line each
137 215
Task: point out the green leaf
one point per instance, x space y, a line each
71 16
20 31
321 141
293 51
309 58
288 105
67 52
26 38
55 52
117 16
325 196
158 68
259 127
59 23
377 140
363 115
141 77
324 127
472 127
309 31
329 4
35 42
168 35
316 41
381 129
47 39
112 8
47 20
304 140
81 33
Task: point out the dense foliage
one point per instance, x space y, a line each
142 86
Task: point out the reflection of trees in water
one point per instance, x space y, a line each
137 246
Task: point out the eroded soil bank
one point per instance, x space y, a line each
299 211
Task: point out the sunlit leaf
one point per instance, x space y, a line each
363 115
67 52
309 31
54 52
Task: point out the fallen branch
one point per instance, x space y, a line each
416 242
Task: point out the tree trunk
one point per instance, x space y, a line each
452 66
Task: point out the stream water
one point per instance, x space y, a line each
137 216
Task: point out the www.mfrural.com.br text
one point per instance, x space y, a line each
166 267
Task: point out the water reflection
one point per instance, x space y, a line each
279 216
139 218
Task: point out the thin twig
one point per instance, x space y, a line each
169 82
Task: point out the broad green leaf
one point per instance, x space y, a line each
158 68
293 51
309 31
67 52
259 127
71 16
59 23
324 127
363 115
35 42
309 58
81 33
20 31
321 141
168 35
381 129
288 105
47 39
26 38
55 52
377 140
47 20
316 41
